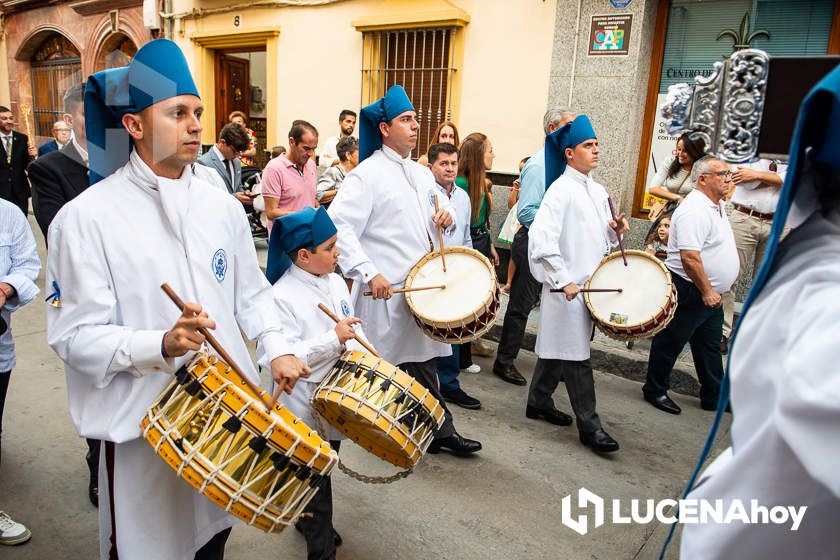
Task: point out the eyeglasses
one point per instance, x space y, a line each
722 174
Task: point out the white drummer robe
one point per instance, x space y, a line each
383 214
568 238
786 401
110 250
312 336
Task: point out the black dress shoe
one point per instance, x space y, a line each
664 403
93 492
552 416
509 373
459 397
456 445
599 440
337 538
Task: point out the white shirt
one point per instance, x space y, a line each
312 334
698 224
383 213
785 386
328 155
566 242
762 200
110 250
19 266
228 165
463 209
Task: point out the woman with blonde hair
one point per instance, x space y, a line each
445 133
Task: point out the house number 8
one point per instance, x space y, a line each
236 21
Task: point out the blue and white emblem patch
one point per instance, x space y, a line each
219 264
345 308
432 198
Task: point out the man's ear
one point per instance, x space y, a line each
303 255
68 119
569 153
134 125
384 130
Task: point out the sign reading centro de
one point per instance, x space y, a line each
610 34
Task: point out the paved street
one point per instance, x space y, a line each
502 504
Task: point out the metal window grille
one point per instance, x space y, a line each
55 67
421 61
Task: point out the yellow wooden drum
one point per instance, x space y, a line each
380 407
263 467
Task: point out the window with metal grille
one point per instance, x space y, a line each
420 60
56 66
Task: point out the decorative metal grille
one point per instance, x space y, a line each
55 67
421 61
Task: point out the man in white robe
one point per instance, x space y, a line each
785 381
386 220
572 231
150 221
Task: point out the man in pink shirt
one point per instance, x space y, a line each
289 180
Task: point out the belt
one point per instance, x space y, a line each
753 213
479 230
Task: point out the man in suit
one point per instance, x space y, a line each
61 132
15 155
224 158
57 178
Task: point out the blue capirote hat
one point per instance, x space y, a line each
305 228
394 103
567 136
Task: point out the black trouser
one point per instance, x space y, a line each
214 549
580 384
702 328
524 293
426 374
5 376
317 528
92 458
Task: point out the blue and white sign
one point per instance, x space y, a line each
620 4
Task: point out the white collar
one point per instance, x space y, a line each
9 135
321 283
144 175
394 156
576 175
218 153
82 152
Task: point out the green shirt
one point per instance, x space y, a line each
482 211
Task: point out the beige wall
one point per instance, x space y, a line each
505 71
5 97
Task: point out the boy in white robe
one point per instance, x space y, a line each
572 231
386 220
302 255
146 222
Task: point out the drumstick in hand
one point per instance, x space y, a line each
590 290
440 237
620 240
335 318
218 348
406 290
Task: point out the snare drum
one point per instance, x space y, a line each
466 308
380 407
647 303
263 467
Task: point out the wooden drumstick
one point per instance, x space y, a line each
440 237
618 226
591 290
335 318
277 392
407 290
218 348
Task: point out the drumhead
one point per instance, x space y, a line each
646 284
469 282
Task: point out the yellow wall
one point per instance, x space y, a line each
504 76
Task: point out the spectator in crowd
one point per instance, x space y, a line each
329 152
289 181
222 158
19 266
475 159
703 262
656 243
443 161
15 156
511 225
445 133
757 188
247 156
524 290
61 132
57 178
672 181
330 180
277 151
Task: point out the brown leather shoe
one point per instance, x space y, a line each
509 373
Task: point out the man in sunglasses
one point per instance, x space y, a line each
703 262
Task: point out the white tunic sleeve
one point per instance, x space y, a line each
85 332
24 264
350 211
253 303
547 264
316 351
